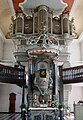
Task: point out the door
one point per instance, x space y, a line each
12 99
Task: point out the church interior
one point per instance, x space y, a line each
41 60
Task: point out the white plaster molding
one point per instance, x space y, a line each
64 3
25 1
56 5
59 63
2 36
7 62
80 37
12 8
78 84
73 8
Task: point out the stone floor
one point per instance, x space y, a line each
11 116
17 116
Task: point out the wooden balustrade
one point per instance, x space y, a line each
12 75
73 74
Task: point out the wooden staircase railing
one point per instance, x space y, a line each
12 75
72 74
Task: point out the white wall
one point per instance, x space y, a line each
1 46
76 57
81 45
5 90
76 51
8 50
75 94
75 54
6 53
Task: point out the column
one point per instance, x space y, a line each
60 91
55 80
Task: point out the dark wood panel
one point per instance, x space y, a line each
56 26
28 25
76 80
12 75
72 75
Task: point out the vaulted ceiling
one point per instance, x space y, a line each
75 8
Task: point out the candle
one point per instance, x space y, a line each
50 96
35 96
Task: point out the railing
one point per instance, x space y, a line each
11 75
72 75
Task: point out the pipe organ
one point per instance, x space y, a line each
41 18
39 39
